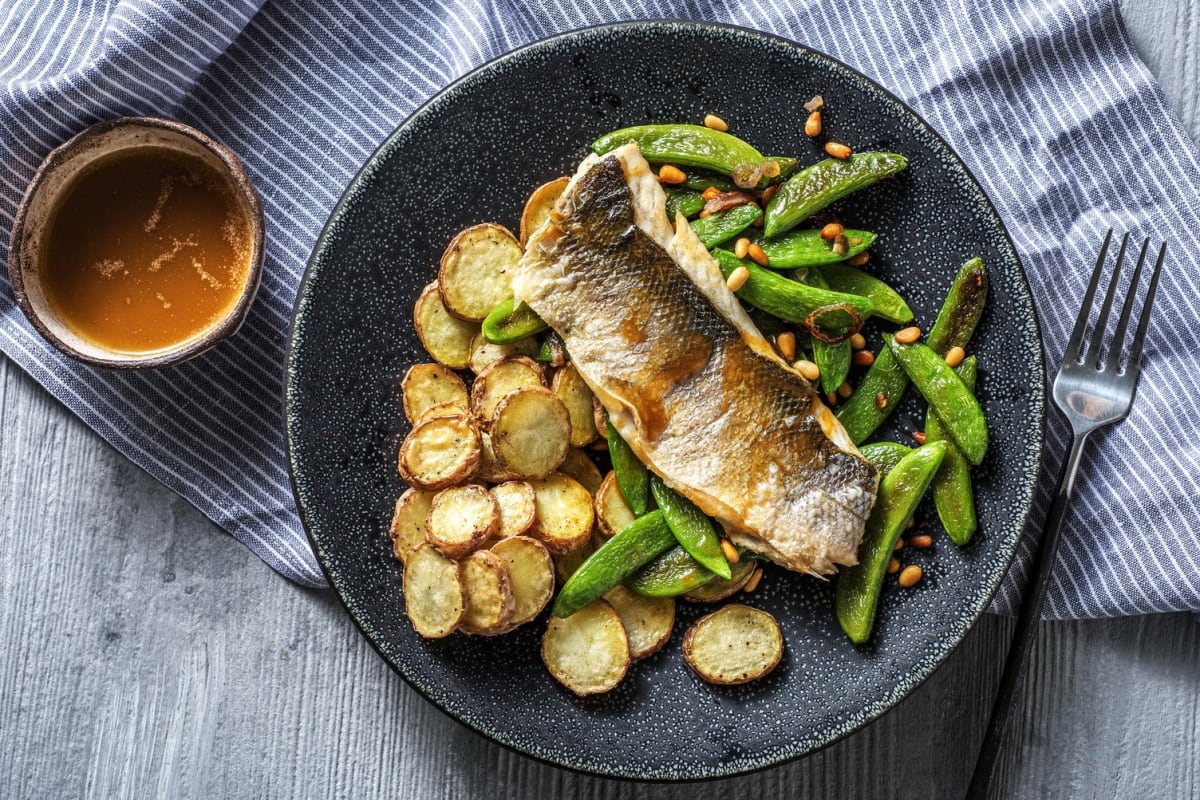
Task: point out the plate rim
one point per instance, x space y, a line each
872 711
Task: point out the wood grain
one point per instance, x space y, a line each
147 654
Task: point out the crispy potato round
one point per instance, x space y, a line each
476 271
488 589
440 410
600 417
648 620
719 589
440 452
445 337
531 574
577 397
579 466
566 564
516 502
408 522
433 593
500 379
531 432
539 205
588 651
428 385
484 352
490 469
563 517
613 514
734 644
461 519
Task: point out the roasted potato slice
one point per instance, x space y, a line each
500 379
563 516
531 432
484 352
490 469
433 593
588 651
440 452
517 505
461 519
488 589
613 514
648 620
408 522
476 271
579 466
719 589
539 205
531 574
445 337
428 385
440 410
734 644
600 417
566 564
577 397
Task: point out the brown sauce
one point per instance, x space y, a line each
148 248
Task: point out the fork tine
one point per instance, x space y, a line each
1092 356
1114 349
1135 354
1076 340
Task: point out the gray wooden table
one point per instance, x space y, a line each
143 653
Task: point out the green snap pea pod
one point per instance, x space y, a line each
511 321
857 593
947 395
886 303
553 350
700 179
886 455
806 248
683 201
956 321
782 297
673 573
952 492
813 188
724 225
643 540
684 145
832 358
633 479
692 528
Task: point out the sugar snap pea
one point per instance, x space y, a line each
815 187
886 303
511 321
692 528
633 479
857 593
701 179
684 145
952 492
673 573
553 350
782 297
724 225
885 455
683 201
962 309
644 539
832 358
947 395
806 248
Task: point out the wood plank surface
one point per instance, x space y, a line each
143 653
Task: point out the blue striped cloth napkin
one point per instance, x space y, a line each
1045 99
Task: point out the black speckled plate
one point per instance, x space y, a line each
473 154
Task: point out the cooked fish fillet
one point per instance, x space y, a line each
686 377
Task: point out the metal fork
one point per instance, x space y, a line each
1092 389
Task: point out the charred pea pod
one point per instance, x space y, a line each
692 528
947 395
884 456
511 321
673 573
633 479
886 303
697 146
857 593
683 201
952 492
643 540
792 301
724 225
813 188
806 248
553 350
832 358
962 309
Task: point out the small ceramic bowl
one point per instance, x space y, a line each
47 188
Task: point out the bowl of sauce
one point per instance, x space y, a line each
139 243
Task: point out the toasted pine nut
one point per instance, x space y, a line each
921 541
881 401
741 247
839 245
862 358
769 193
758 221
919 436
715 122
955 356
730 552
837 150
786 342
912 523
752 584
893 566
832 230
908 335
845 390
899 545
859 260
858 341
704 212
671 174
812 125
909 576
737 279
710 193
808 369
831 399
755 252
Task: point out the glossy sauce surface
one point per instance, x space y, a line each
148 248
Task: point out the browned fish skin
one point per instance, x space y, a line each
732 430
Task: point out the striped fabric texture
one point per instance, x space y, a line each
1044 99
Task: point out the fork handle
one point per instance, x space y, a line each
1027 627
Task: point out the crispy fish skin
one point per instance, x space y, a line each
689 382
